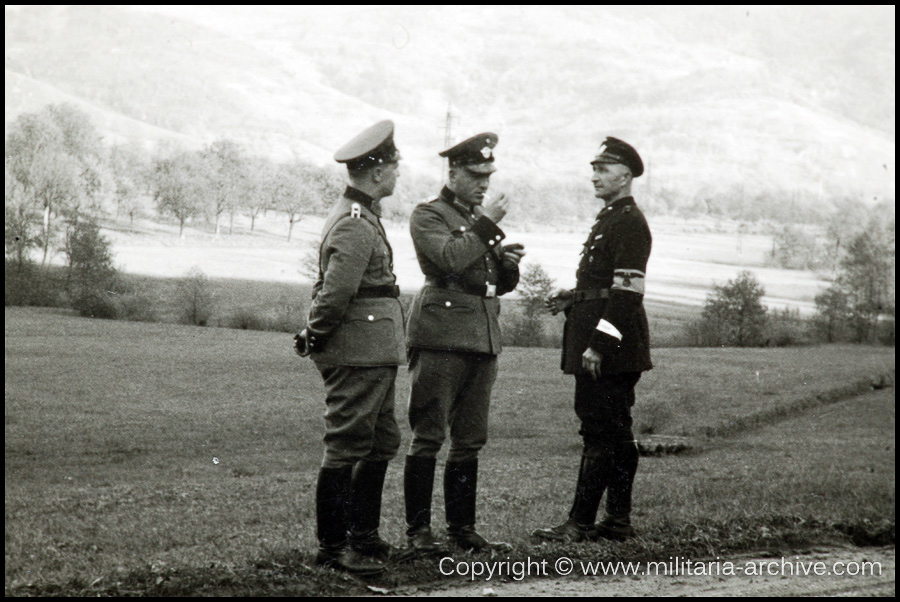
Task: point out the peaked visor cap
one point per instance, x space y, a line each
475 153
614 150
372 147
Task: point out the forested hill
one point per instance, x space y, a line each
731 107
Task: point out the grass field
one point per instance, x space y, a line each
162 459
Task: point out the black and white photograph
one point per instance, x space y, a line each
414 301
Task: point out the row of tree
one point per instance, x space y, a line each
57 170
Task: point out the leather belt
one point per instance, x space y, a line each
591 294
486 290
375 292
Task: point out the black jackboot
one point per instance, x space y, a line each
460 493
365 510
332 500
592 480
418 485
616 525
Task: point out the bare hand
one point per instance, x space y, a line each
590 361
559 301
495 208
301 343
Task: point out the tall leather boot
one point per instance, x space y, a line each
460 493
332 500
365 510
592 481
616 525
418 485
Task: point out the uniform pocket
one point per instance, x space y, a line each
449 303
371 334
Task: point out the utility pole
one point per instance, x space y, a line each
448 138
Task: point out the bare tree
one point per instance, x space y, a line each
180 187
254 196
130 170
54 158
227 165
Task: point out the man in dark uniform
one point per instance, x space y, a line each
355 335
454 339
606 345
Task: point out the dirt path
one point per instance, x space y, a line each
879 579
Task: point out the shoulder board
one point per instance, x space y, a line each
431 199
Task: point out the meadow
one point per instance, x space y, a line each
688 257
159 459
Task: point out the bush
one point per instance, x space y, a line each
25 284
135 302
96 304
194 298
831 322
734 314
247 319
287 316
702 332
785 328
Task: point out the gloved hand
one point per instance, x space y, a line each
301 343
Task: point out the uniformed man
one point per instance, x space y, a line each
606 346
355 335
454 339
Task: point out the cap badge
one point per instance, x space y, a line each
486 152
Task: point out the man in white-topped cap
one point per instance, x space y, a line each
355 336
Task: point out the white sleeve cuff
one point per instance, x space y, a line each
607 328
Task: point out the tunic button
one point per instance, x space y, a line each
462 228
447 303
591 258
371 318
491 242
499 237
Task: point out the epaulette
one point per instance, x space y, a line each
355 210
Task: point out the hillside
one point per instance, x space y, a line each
725 101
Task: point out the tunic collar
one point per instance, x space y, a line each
358 196
449 197
616 204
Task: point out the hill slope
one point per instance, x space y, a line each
723 100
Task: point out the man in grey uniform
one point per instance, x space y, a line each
454 339
355 335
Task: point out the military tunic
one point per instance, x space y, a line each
356 333
608 316
454 329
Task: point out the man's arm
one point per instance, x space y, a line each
631 252
452 254
349 247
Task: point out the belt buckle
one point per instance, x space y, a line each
490 290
